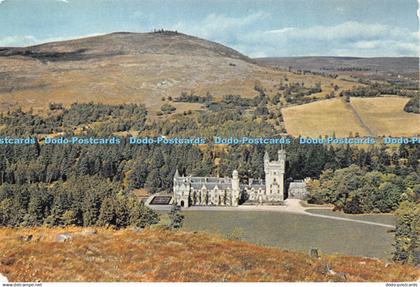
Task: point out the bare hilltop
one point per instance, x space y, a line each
131 68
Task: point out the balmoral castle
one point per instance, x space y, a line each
208 191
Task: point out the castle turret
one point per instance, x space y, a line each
176 177
181 189
281 155
274 176
235 188
266 161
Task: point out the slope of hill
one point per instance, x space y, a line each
133 68
122 43
161 255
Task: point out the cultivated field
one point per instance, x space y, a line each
296 232
385 116
322 118
163 255
366 116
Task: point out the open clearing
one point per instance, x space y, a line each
379 218
296 232
385 116
366 116
321 118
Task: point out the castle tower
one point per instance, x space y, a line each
181 189
176 177
266 161
235 188
274 176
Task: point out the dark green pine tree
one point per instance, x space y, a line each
257 162
176 218
407 244
35 215
121 211
139 214
138 175
7 210
153 181
107 216
206 164
90 208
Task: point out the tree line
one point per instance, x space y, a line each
356 190
109 118
91 184
376 90
80 201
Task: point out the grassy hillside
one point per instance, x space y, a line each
134 68
159 255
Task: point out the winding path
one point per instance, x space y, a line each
295 204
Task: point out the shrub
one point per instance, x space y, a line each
167 108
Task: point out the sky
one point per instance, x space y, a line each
257 28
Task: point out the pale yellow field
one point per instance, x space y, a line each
366 116
385 116
321 118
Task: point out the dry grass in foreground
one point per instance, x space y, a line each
162 255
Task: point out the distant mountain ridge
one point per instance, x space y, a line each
406 66
398 63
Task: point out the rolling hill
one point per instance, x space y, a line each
132 68
145 68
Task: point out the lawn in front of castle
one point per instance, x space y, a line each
298 232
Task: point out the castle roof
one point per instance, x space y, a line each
206 179
222 183
212 185
254 185
197 182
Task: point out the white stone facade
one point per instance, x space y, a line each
297 190
216 191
